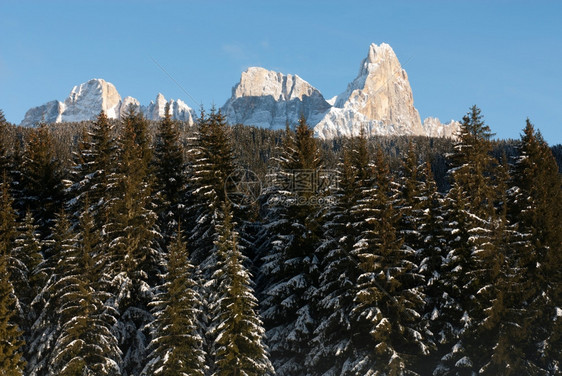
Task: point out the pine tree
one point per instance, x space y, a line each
4 144
7 214
177 346
170 175
94 164
389 300
42 179
536 209
131 255
211 164
27 279
239 347
85 345
504 322
290 265
411 200
11 344
333 348
47 327
431 258
472 254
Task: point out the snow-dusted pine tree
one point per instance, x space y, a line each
11 343
537 210
472 254
291 236
94 162
26 278
333 349
85 344
131 256
238 333
47 327
170 181
389 299
431 257
177 346
211 163
41 179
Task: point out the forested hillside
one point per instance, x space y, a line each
154 248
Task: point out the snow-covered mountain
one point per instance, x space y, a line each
379 99
178 109
434 128
271 100
87 100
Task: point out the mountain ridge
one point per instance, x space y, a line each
379 100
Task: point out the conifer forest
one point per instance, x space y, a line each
134 247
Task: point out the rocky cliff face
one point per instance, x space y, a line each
87 100
271 100
434 128
178 109
379 100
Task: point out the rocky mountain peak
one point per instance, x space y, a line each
271 99
87 100
260 82
381 93
96 95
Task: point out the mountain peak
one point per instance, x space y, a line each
379 99
271 99
91 97
381 95
379 52
88 99
261 82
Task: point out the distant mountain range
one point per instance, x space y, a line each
379 100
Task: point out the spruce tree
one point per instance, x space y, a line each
431 258
131 254
177 346
85 344
4 144
238 347
11 343
472 254
389 300
27 279
536 209
7 216
42 179
291 237
211 160
411 200
47 327
333 348
170 175
94 164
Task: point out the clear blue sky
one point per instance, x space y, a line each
504 56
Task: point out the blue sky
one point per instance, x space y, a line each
504 56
